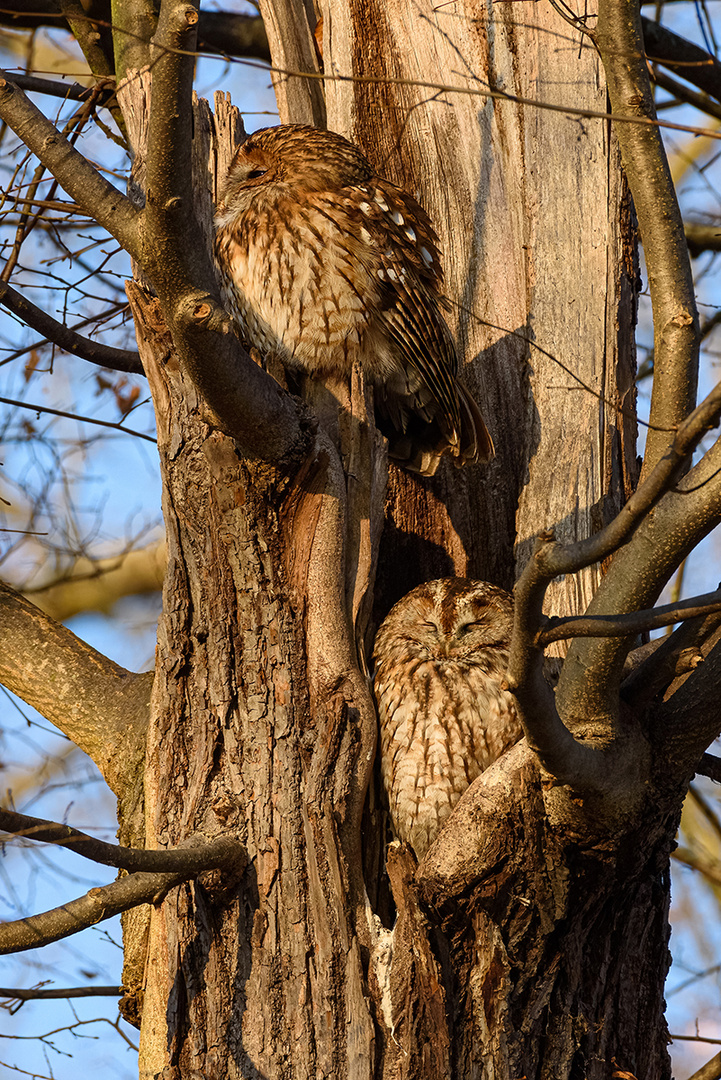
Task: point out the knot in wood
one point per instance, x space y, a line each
202 311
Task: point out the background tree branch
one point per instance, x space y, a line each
67 339
102 707
16 993
83 183
702 238
683 57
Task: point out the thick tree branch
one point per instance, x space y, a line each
98 584
684 93
702 238
89 189
233 35
96 906
67 339
134 23
138 888
640 568
100 706
68 91
94 39
676 336
687 722
635 622
245 402
676 655
582 766
220 852
683 57
538 711
225 32
710 1071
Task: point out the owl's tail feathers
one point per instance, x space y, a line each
418 439
476 444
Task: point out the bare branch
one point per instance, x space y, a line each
80 180
95 39
683 57
711 871
16 993
710 1071
68 91
233 35
687 721
676 335
684 93
561 755
96 906
97 584
102 707
706 809
219 852
102 903
40 409
67 339
224 32
702 237
710 766
632 623
675 656
640 568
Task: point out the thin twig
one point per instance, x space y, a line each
97 353
39 409
15 993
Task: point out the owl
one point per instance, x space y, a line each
324 264
441 656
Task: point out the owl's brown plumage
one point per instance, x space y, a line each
441 655
325 264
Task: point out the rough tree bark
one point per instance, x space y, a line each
262 719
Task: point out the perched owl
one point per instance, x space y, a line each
441 656
324 263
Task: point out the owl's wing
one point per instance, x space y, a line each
427 408
422 347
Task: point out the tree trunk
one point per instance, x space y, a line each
484 962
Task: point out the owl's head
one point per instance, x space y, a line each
451 620
282 161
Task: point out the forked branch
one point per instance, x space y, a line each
156 873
